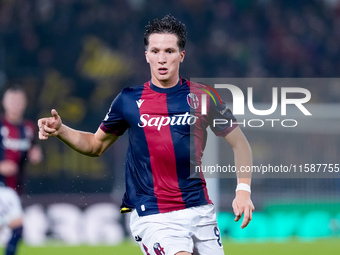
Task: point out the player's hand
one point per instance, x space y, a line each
242 204
8 168
49 126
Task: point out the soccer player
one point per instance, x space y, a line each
17 145
171 209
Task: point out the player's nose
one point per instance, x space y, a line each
161 58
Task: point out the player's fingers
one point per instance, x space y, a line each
237 218
45 131
41 122
42 136
247 216
45 124
235 208
48 130
54 113
237 211
42 132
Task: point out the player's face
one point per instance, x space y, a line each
14 103
164 57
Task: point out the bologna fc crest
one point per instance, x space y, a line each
159 250
192 100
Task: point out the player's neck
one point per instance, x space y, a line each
165 84
13 119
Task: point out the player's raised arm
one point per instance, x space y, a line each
84 142
242 203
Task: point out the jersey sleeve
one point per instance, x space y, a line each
221 119
114 121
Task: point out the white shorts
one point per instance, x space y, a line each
10 206
193 230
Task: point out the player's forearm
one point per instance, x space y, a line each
242 155
243 162
80 141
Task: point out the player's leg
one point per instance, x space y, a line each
208 247
206 235
12 213
164 233
17 229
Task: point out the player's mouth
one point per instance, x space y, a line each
162 70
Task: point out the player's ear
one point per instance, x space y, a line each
146 56
182 54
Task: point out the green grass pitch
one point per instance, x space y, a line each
320 247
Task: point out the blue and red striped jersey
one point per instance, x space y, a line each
15 141
167 135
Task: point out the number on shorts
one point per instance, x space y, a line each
217 233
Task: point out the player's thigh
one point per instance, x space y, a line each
163 239
206 234
158 234
208 247
163 248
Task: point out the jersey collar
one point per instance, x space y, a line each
167 90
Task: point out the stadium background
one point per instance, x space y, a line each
76 55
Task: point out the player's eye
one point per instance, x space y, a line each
154 51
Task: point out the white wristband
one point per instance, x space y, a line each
243 186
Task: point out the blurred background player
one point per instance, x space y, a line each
17 145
